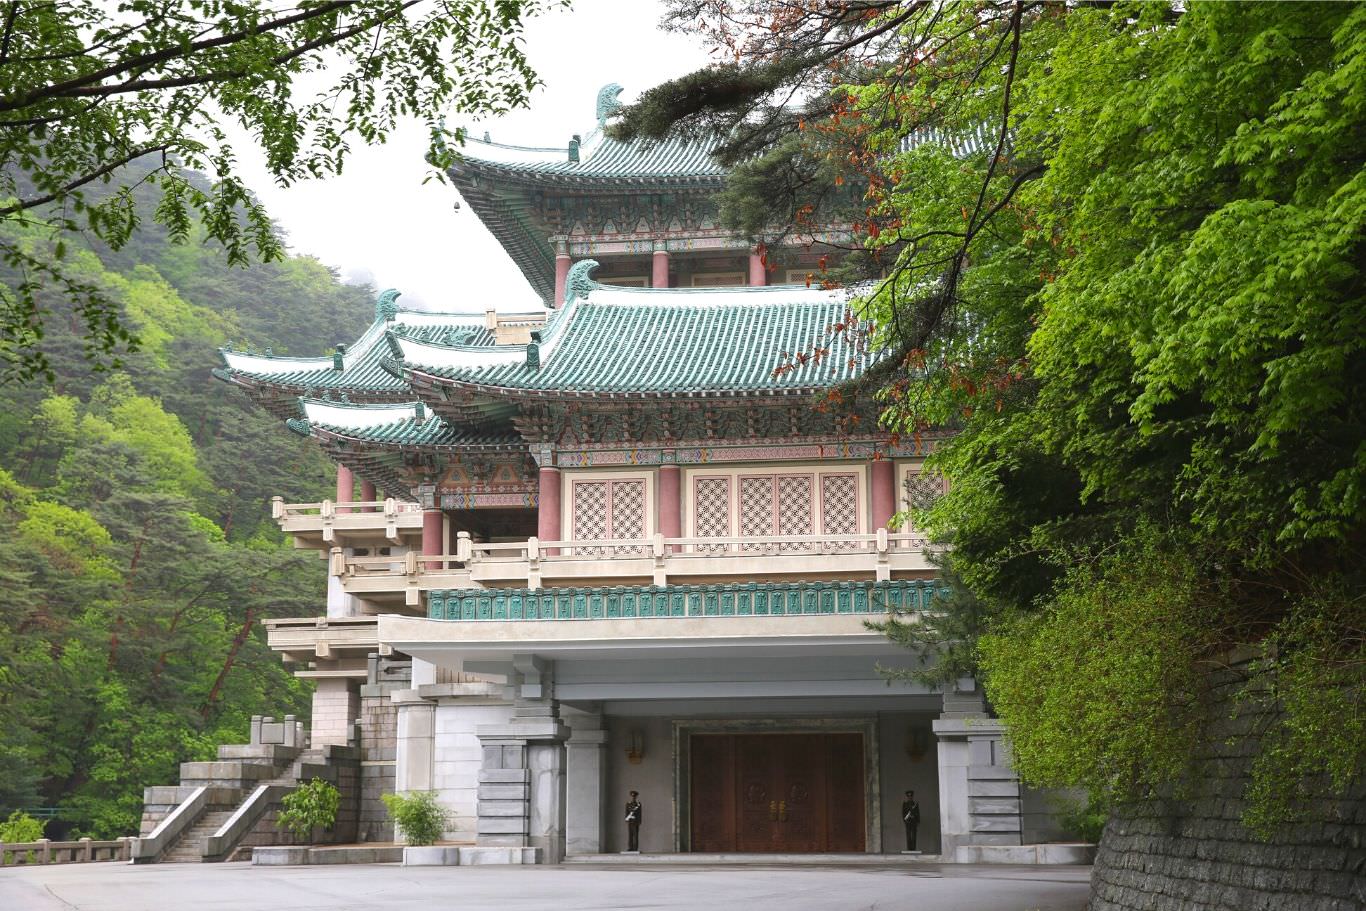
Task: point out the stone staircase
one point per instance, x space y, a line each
189 847
188 822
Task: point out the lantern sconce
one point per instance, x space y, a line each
635 747
917 743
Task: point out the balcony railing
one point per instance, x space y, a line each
650 561
329 518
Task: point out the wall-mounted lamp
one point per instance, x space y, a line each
917 743
635 747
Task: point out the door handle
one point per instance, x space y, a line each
782 811
773 810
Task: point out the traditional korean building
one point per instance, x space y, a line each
611 546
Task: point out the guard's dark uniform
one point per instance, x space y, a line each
633 814
910 815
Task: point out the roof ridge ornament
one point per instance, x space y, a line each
608 102
298 425
386 305
577 284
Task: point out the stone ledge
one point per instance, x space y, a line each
289 856
1025 854
467 856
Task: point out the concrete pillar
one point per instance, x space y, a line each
339 603
670 501
346 485
336 705
433 535
758 274
562 263
884 493
548 511
585 784
367 493
415 744
660 276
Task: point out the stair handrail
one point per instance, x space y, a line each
147 849
243 820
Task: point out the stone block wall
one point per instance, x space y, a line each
378 751
1193 853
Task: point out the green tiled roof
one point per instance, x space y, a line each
393 426
639 341
362 370
600 158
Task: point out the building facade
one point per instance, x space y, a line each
611 546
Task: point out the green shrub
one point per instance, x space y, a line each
19 828
311 806
1083 820
417 815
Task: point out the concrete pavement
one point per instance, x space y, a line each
241 887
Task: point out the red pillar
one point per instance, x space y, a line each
562 263
346 485
670 502
884 493
433 531
548 513
367 493
660 278
758 274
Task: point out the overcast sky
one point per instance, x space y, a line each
378 222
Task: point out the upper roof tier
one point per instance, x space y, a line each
643 342
596 157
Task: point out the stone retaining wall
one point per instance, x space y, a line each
1193 853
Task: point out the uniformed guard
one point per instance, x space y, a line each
910 815
633 813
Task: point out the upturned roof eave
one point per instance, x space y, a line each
523 393
332 435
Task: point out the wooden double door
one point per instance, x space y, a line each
777 793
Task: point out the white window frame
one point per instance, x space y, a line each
569 478
815 470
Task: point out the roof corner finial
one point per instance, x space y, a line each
533 351
577 283
608 103
574 143
339 357
419 412
386 305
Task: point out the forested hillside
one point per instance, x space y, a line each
137 554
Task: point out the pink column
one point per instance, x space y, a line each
367 493
758 274
670 502
433 530
548 512
884 493
346 485
562 262
660 278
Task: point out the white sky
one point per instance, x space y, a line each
378 222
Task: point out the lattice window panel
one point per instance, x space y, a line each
756 510
711 511
590 513
627 515
795 501
921 489
839 508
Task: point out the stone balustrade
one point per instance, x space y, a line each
657 561
81 851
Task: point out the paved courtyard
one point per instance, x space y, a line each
208 887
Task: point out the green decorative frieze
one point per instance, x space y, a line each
753 599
